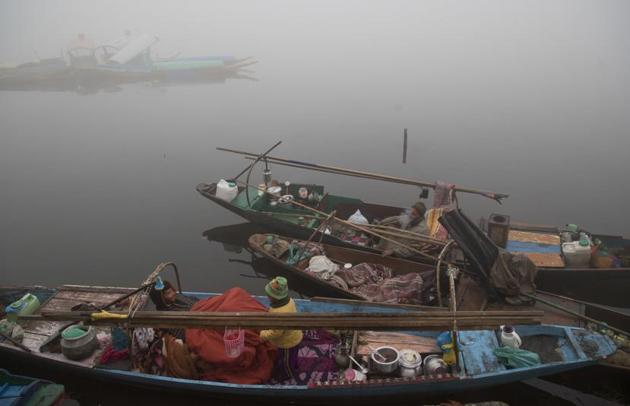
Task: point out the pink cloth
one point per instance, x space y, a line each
444 194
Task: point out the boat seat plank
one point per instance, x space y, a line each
80 296
477 351
375 339
99 289
45 328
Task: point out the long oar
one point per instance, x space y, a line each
576 314
350 172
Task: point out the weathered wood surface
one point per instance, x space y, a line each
374 339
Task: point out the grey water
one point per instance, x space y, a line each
526 98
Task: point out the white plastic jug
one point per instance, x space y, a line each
509 337
226 190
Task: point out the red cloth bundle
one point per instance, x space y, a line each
253 365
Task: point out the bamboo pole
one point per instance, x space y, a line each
350 172
373 321
258 158
576 314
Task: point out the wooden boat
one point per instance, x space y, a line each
295 221
603 286
54 74
560 349
340 256
16 390
237 237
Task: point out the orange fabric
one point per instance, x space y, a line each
255 363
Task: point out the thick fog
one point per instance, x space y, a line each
529 98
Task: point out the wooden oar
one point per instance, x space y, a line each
576 314
350 172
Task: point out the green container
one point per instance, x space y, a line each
25 306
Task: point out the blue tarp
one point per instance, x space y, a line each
520 246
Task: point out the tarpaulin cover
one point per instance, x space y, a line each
253 365
509 275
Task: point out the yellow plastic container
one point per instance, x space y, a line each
25 306
448 354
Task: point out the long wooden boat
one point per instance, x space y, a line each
604 286
292 220
55 75
235 238
560 349
336 287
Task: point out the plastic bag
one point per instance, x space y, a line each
321 263
358 218
516 357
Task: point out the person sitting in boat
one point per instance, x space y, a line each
80 52
287 341
165 297
411 220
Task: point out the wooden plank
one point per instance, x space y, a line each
83 296
540 238
477 350
45 328
374 339
546 260
33 341
101 289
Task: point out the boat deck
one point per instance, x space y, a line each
41 334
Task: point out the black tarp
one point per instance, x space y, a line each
508 275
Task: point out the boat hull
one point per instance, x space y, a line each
446 385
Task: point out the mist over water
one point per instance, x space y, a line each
526 98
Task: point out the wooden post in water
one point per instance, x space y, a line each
405 147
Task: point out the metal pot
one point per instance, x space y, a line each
387 362
410 363
434 364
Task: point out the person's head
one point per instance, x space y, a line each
277 289
163 294
417 210
169 294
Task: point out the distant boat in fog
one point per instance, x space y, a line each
105 66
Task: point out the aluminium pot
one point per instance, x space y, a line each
387 362
410 363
